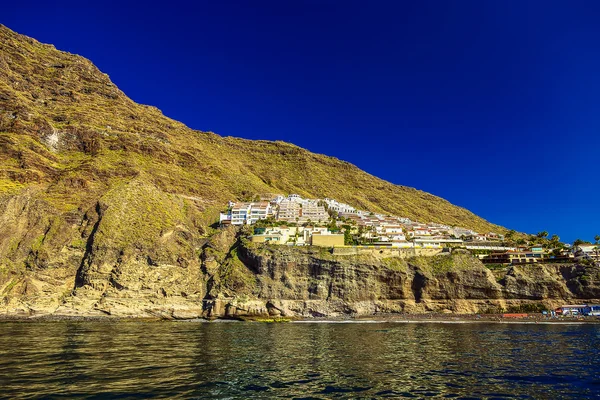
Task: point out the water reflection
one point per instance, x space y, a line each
253 360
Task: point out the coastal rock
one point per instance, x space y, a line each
169 272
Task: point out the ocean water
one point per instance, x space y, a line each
229 360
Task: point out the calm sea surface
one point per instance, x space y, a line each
297 360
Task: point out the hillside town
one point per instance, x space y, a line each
296 221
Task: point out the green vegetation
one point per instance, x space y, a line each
476 252
138 214
527 308
440 264
268 320
234 275
495 267
78 243
395 264
8 186
533 308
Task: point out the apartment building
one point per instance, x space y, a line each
246 213
314 213
289 211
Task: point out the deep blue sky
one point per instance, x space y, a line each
492 105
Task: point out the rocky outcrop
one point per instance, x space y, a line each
227 276
312 282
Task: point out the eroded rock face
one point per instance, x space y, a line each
91 266
310 282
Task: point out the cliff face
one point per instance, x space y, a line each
230 277
311 282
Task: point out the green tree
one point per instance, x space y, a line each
509 238
361 231
557 251
332 226
347 237
542 234
372 232
555 241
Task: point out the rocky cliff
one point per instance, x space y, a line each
106 207
231 277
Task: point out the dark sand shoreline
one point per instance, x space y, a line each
384 318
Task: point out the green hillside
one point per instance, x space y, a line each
84 169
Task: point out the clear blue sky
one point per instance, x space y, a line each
492 105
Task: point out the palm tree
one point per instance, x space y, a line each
542 234
554 241
577 243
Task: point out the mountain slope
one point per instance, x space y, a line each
63 120
91 181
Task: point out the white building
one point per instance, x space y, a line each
339 208
435 242
419 232
290 235
246 213
289 211
392 229
458 232
278 199
259 210
313 212
588 251
296 198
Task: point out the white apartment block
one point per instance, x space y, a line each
260 210
246 213
278 199
419 232
289 235
339 208
392 229
289 211
458 232
296 198
313 212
